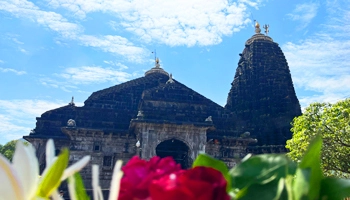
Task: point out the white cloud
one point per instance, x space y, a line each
10 131
321 62
17 41
63 85
51 20
23 50
116 45
117 64
327 97
171 22
113 44
28 108
2 62
70 78
11 70
18 116
304 13
88 75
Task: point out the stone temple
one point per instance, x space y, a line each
157 115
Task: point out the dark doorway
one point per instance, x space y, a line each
176 149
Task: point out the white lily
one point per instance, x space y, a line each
115 182
51 158
20 178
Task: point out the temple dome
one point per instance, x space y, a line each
156 69
258 36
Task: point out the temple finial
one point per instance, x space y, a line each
156 60
72 101
157 63
257 27
266 27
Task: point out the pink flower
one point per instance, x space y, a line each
199 183
138 175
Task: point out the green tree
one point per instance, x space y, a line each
8 149
332 122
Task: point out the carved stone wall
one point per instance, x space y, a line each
103 147
229 150
262 95
151 134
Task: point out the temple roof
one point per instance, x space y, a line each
156 94
176 102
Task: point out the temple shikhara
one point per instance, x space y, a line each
158 115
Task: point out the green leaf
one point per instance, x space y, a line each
335 189
51 179
301 183
269 191
261 169
312 161
79 189
208 161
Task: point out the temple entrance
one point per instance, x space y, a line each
176 149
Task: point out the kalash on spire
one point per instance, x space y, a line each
156 69
258 35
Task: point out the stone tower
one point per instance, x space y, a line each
262 95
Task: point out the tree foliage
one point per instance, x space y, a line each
332 122
275 176
8 149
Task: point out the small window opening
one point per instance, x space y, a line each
126 147
107 161
97 147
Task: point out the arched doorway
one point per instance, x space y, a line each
176 149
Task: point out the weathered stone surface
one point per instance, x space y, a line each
262 95
108 109
176 102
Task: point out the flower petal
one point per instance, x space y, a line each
27 167
75 167
11 187
56 196
51 178
50 152
97 192
71 188
115 183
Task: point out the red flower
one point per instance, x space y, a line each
199 183
138 175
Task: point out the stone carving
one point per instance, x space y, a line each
72 102
170 79
245 134
209 119
139 114
262 95
266 27
71 123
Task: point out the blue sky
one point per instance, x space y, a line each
51 50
